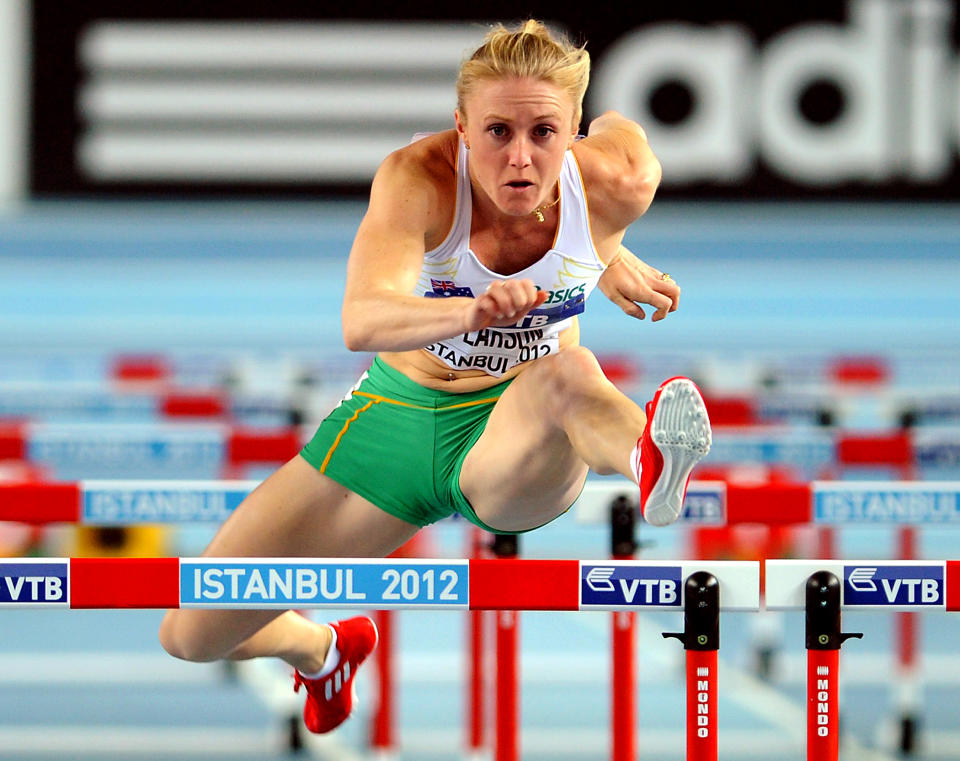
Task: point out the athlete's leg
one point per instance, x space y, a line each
558 417
296 512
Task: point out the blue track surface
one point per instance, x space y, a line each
80 281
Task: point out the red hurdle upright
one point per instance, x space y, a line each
507 743
823 639
623 697
476 712
701 640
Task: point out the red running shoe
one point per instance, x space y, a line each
330 698
675 438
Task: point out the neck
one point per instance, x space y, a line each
538 212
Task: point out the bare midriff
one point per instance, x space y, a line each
422 367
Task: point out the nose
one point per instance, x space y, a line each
520 152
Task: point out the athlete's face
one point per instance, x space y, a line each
517 131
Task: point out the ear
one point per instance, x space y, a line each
461 127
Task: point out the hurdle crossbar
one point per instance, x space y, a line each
709 503
892 585
304 583
167 443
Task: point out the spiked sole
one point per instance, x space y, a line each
680 430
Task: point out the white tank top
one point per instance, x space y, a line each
569 272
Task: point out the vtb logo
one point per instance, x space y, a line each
630 585
33 583
893 585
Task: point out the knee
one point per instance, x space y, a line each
575 371
180 641
566 380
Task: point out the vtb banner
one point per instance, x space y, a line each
856 98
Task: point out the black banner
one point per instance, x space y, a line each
743 99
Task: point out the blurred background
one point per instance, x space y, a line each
179 188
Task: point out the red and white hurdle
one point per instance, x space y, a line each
501 584
821 588
826 503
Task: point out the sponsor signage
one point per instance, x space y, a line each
333 584
879 586
612 586
704 505
34 584
886 502
809 450
101 451
937 446
740 100
52 403
112 502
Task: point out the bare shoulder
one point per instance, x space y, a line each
418 182
430 159
619 170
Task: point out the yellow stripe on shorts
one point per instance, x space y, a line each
336 441
378 398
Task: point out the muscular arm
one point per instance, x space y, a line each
380 312
621 175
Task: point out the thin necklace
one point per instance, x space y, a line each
540 209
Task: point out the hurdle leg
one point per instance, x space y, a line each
823 712
507 745
623 519
701 705
508 706
823 641
907 691
476 673
623 696
382 734
701 640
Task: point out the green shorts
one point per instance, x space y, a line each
401 446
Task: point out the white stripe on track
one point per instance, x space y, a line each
271 683
931 743
659 665
595 743
104 668
71 741
873 669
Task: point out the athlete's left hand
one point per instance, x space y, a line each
629 282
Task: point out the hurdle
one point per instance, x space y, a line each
98 403
829 504
215 446
207 449
708 503
501 584
823 588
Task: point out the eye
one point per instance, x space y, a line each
497 130
543 130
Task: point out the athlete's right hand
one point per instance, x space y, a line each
504 303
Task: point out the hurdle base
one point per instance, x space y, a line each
909 731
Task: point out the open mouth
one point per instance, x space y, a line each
520 184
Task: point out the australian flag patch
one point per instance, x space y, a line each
446 288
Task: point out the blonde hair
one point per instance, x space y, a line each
529 50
